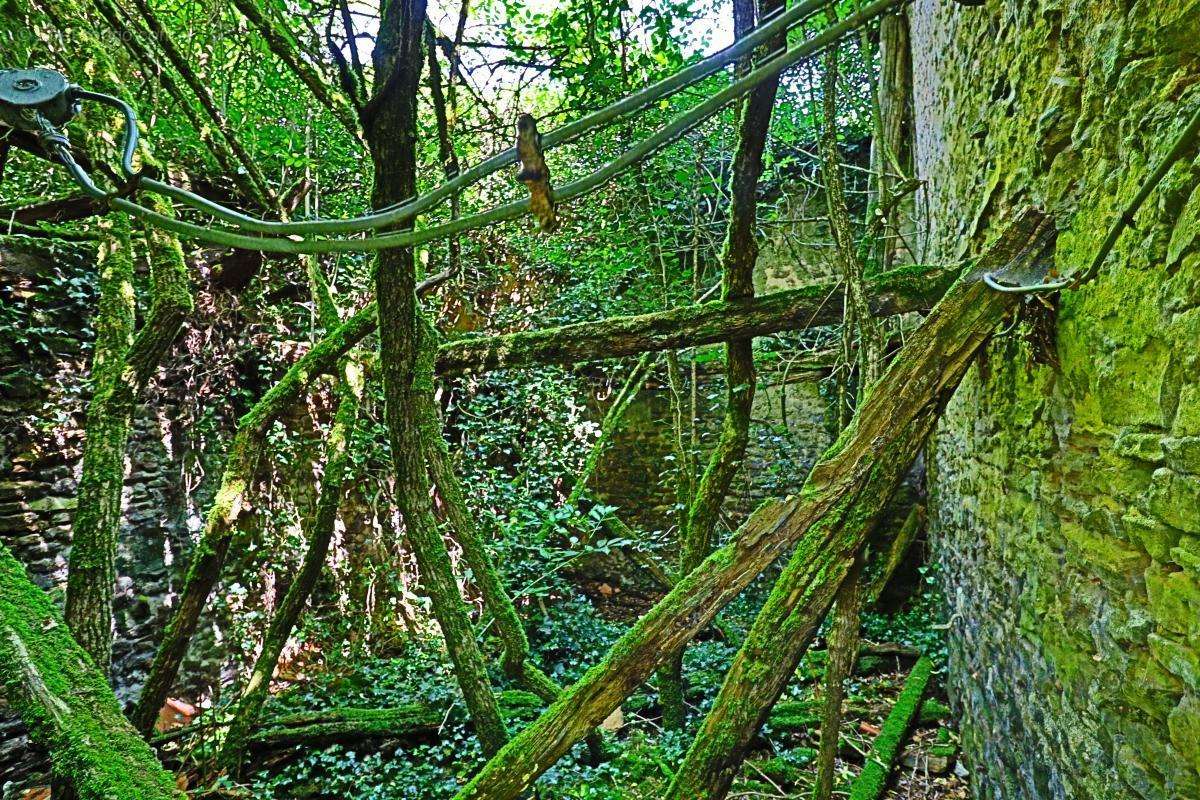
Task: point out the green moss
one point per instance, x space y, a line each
870 783
1175 499
1183 454
1142 446
65 701
1184 727
1155 537
1174 598
1092 550
933 710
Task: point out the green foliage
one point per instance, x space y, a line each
920 624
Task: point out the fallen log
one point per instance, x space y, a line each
407 724
895 292
825 523
65 702
870 783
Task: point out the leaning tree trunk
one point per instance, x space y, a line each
910 289
858 323
845 488
407 352
65 701
892 426
122 366
739 257
320 535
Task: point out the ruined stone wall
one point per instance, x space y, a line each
1066 488
46 288
789 432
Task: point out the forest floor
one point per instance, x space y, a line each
572 633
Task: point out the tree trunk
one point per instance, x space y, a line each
122 366
65 702
891 158
92 575
843 650
408 724
901 291
857 323
844 489
407 351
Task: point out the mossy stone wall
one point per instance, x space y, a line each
1065 480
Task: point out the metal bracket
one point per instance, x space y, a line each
26 93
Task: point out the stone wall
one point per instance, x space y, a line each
788 434
1066 479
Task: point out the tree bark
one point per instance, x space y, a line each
858 321
65 701
897 292
844 489
122 366
407 351
890 152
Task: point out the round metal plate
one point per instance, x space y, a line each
30 87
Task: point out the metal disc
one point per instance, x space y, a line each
31 87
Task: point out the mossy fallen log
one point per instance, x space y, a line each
66 703
915 288
824 527
411 723
870 783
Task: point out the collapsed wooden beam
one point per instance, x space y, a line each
822 523
66 703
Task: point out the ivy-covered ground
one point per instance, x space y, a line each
567 633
